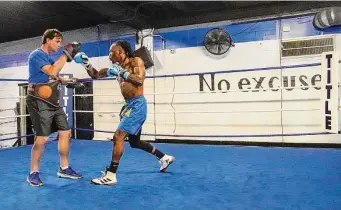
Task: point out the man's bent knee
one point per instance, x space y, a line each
41 139
119 136
141 145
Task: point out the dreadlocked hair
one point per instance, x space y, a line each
126 47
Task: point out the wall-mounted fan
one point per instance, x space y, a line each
218 41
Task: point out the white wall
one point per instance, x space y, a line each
216 123
236 123
241 111
234 115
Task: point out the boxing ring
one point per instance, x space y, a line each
204 176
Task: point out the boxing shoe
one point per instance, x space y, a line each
165 162
107 178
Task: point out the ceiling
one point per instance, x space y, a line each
25 19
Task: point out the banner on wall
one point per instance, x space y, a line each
330 91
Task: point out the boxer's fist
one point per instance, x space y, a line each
83 59
114 70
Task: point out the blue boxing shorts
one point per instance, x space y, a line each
133 115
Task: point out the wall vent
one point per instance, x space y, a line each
313 46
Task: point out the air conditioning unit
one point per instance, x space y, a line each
307 47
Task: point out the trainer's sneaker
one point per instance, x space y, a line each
165 162
68 173
107 178
34 180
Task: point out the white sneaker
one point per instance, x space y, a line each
107 178
165 162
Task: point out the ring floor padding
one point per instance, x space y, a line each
203 177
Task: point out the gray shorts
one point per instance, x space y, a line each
46 118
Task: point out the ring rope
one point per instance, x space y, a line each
10 138
212 136
213 91
6 134
222 72
179 112
15 116
207 102
199 73
13 97
204 112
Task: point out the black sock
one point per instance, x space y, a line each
113 167
158 154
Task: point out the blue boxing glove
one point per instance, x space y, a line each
83 59
124 74
117 70
114 70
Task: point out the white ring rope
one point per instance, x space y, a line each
121 102
184 93
13 97
204 112
182 112
213 91
15 116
